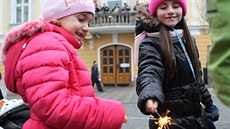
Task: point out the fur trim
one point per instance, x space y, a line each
20 32
146 18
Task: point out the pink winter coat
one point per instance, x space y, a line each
52 78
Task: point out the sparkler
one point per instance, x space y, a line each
162 121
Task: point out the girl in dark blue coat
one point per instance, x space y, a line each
169 71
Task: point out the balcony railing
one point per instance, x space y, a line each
110 19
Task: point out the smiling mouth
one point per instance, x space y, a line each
82 36
171 18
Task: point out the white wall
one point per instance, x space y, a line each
1 17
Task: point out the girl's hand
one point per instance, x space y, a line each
126 119
151 106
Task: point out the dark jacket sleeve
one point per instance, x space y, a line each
150 73
95 73
206 99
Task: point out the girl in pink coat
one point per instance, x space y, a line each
43 67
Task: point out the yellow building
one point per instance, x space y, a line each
111 37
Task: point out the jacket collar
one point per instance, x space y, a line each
69 37
29 29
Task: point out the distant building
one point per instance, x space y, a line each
111 40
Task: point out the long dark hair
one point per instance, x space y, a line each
169 58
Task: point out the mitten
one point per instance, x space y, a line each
212 112
211 124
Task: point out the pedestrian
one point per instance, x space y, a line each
97 9
219 59
136 5
126 8
105 10
95 76
169 71
49 74
125 12
116 8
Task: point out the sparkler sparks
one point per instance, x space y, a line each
163 122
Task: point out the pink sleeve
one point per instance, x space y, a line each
43 74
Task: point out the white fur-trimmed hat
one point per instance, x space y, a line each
56 9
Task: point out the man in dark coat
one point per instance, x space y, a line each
95 76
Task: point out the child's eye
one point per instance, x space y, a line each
163 6
81 19
176 5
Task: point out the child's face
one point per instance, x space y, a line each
77 24
169 13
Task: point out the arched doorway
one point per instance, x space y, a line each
115 65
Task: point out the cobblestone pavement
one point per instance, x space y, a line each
128 97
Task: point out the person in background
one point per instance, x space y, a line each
104 8
116 8
125 8
169 70
136 5
219 58
97 9
95 76
105 11
49 74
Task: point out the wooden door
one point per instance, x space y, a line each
116 65
108 65
123 71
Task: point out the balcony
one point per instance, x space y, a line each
113 23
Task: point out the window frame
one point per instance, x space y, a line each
14 7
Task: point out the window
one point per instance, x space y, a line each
21 11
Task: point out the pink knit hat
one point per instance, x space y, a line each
153 5
55 9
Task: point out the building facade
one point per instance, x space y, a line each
111 37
